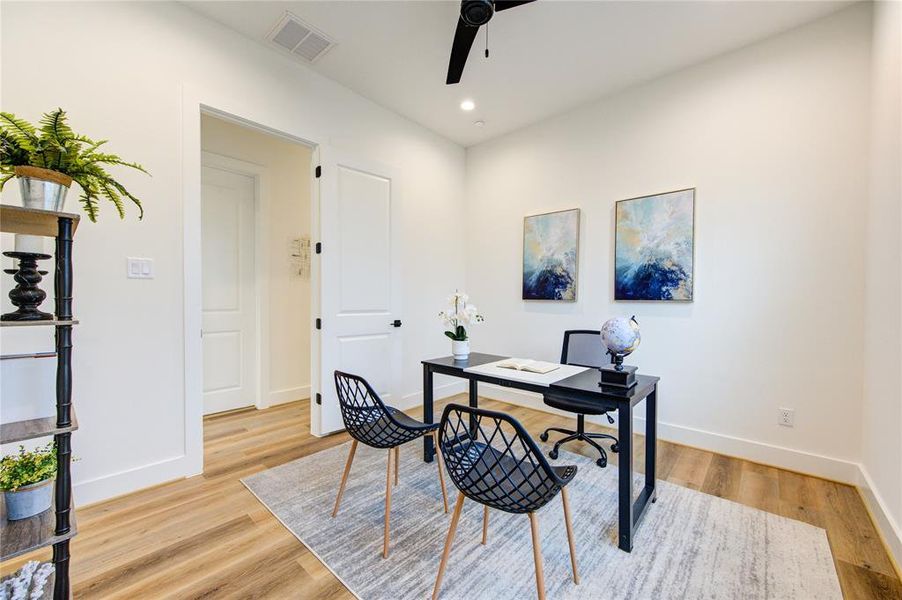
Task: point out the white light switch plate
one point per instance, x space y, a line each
139 268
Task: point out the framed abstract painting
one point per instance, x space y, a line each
550 246
654 247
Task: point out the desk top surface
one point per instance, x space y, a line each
586 382
589 381
476 359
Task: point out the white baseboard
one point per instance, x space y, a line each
130 480
760 452
889 529
289 395
439 392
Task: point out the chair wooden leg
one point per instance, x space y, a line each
344 476
569 524
537 555
452 529
397 463
441 477
388 487
485 525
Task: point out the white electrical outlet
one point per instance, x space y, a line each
787 417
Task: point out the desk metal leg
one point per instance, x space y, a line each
651 441
631 513
474 403
625 476
428 448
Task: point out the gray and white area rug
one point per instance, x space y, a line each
690 544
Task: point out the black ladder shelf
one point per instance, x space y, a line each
56 526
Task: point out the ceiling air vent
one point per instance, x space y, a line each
299 38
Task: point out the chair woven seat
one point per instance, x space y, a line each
493 461
372 422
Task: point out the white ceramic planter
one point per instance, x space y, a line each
460 349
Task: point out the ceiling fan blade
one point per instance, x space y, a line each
460 50
506 4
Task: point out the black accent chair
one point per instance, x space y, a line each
371 422
492 460
583 348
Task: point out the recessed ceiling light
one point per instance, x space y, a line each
467 105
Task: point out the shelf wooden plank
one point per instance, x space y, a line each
19 431
27 535
18 219
28 355
47 323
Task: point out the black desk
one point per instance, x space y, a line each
582 387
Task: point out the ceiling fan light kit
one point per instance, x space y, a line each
473 15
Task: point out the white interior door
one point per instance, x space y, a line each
228 287
359 282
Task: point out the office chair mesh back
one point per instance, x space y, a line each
584 348
367 418
492 460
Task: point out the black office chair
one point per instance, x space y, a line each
370 421
492 460
583 348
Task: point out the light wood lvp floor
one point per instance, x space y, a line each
208 537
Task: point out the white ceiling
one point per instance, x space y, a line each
546 57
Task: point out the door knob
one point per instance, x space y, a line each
396 323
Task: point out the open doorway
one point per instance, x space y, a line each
256 267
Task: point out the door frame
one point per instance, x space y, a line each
261 266
234 108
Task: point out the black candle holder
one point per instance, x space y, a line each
27 296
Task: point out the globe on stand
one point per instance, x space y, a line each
621 338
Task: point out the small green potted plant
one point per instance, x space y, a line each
46 159
26 479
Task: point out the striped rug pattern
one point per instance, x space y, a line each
689 545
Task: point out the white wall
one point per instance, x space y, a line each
286 196
774 138
882 417
145 59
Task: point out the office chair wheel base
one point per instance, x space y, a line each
552 455
615 448
602 462
544 436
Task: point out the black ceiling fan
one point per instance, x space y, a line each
473 15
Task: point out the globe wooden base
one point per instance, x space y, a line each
623 377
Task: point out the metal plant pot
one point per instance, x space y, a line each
43 188
29 500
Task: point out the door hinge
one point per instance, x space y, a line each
319 171
319 398
319 323
319 247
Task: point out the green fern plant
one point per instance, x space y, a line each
53 145
27 467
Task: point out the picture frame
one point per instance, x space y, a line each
662 270
550 266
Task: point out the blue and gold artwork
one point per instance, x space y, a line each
653 252
550 244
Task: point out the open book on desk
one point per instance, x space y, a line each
530 366
557 373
